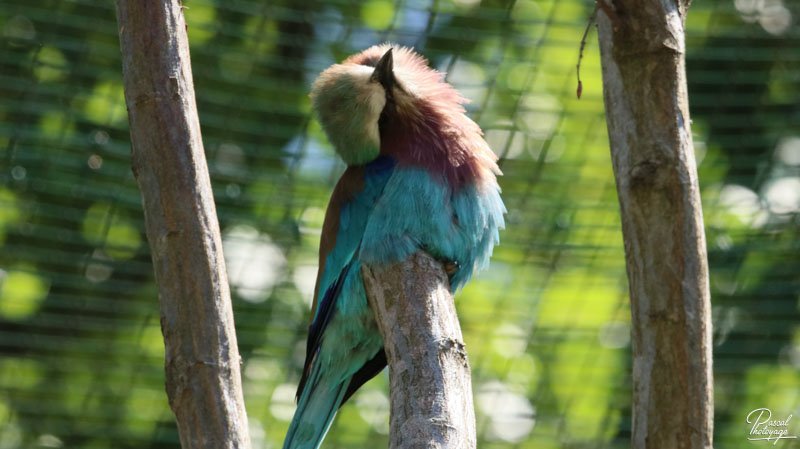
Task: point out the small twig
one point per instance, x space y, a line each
583 44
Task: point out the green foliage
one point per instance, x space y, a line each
22 293
546 326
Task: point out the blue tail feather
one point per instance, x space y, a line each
316 409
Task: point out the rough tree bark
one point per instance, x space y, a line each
429 376
203 379
644 87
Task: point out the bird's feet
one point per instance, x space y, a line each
450 266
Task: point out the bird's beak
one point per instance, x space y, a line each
384 73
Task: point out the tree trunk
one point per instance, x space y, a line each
203 379
430 385
644 87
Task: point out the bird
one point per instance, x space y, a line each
419 177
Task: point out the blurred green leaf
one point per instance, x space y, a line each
21 294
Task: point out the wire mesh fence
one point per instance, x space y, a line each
546 326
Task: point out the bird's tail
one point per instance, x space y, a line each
316 408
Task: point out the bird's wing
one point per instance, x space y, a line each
338 251
345 220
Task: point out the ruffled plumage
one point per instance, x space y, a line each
430 185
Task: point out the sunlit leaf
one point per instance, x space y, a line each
21 293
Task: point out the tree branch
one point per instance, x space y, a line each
202 359
430 385
644 85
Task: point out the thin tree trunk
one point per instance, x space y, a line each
644 86
430 385
203 379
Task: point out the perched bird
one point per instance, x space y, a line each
420 177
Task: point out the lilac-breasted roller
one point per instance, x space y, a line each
420 177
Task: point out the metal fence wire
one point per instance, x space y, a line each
546 326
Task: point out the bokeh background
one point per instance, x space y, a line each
546 326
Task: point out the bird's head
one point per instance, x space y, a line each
349 99
387 100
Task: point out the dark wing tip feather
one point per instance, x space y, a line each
370 369
315 330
